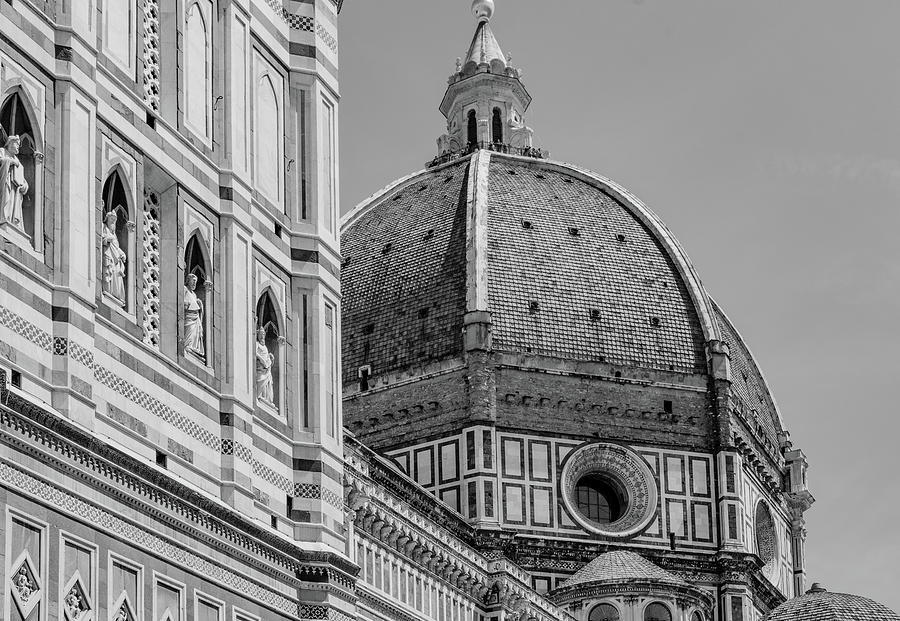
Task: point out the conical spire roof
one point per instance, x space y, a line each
484 48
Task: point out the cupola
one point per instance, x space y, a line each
485 102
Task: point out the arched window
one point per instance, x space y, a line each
472 128
497 126
198 93
268 352
604 612
267 137
657 612
115 239
696 617
18 209
197 300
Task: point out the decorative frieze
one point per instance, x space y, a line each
151 54
151 267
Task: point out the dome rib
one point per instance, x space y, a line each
566 276
743 361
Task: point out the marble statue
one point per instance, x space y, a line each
24 585
444 144
193 319
14 186
265 390
520 135
113 258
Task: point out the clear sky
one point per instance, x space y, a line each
765 133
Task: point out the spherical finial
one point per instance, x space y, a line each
483 10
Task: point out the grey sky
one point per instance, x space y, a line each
765 135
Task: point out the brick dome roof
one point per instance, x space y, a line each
567 264
820 605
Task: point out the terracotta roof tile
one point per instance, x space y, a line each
821 605
404 275
584 252
621 566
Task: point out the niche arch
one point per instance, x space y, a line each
198 263
18 117
117 197
269 319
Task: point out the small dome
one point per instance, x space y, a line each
621 566
626 573
820 605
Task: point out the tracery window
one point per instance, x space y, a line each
598 499
657 612
604 612
18 167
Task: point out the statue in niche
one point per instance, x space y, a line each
113 258
193 319
265 391
13 185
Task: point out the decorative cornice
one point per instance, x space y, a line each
55 440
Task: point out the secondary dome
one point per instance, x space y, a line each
627 574
621 566
820 605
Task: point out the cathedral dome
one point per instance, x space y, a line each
544 267
820 605
568 265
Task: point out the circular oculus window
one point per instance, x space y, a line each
609 489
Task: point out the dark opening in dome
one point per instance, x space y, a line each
599 499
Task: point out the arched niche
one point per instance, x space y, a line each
269 339
471 127
657 611
497 126
18 209
198 302
117 239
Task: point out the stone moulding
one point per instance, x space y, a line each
61 346
57 442
375 491
628 470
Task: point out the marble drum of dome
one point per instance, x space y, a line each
609 489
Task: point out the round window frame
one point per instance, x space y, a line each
628 471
